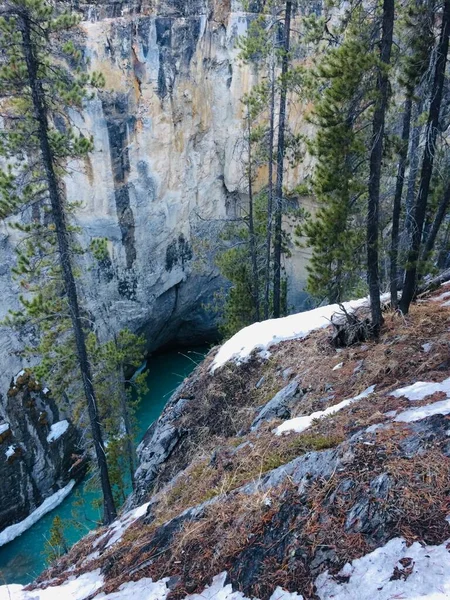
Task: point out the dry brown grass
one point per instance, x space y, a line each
237 530
277 535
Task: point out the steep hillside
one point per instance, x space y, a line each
296 469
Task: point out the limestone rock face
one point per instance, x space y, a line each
166 171
165 174
36 460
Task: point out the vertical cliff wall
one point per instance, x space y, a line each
166 169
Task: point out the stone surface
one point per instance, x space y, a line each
279 406
31 468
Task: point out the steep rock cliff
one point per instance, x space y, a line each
39 451
165 172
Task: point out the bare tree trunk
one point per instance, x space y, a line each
376 157
251 224
270 187
414 161
410 282
439 217
443 252
40 113
394 279
128 427
280 163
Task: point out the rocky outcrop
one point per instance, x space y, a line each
280 405
39 452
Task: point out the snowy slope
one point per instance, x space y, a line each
261 336
392 571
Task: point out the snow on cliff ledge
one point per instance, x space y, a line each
260 336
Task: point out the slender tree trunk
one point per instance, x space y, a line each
270 188
40 112
443 252
251 224
376 157
128 427
414 161
439 217
280 163
398 200
410 282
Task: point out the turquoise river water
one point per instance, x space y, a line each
23 559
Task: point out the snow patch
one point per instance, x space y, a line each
57 430
422 412
370 576
427 347
118 528
260 336
422 389
337 367
144 589
219 591
443 296
299 424
74 588
10 452
417 392
4 427
423 572
19 374
13 531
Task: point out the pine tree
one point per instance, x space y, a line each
39 88
414 62
56 545
343 97
420 208
376 156
281 152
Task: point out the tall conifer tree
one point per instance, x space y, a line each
38 88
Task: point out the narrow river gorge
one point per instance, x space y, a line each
24 558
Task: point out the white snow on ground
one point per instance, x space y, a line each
370 576
4 427
10 452
144 589
57 430
426 575
299 424
119 526
443 296
19 374
422 412
219 591
260 336
418 391
73 589
422 389
13 531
